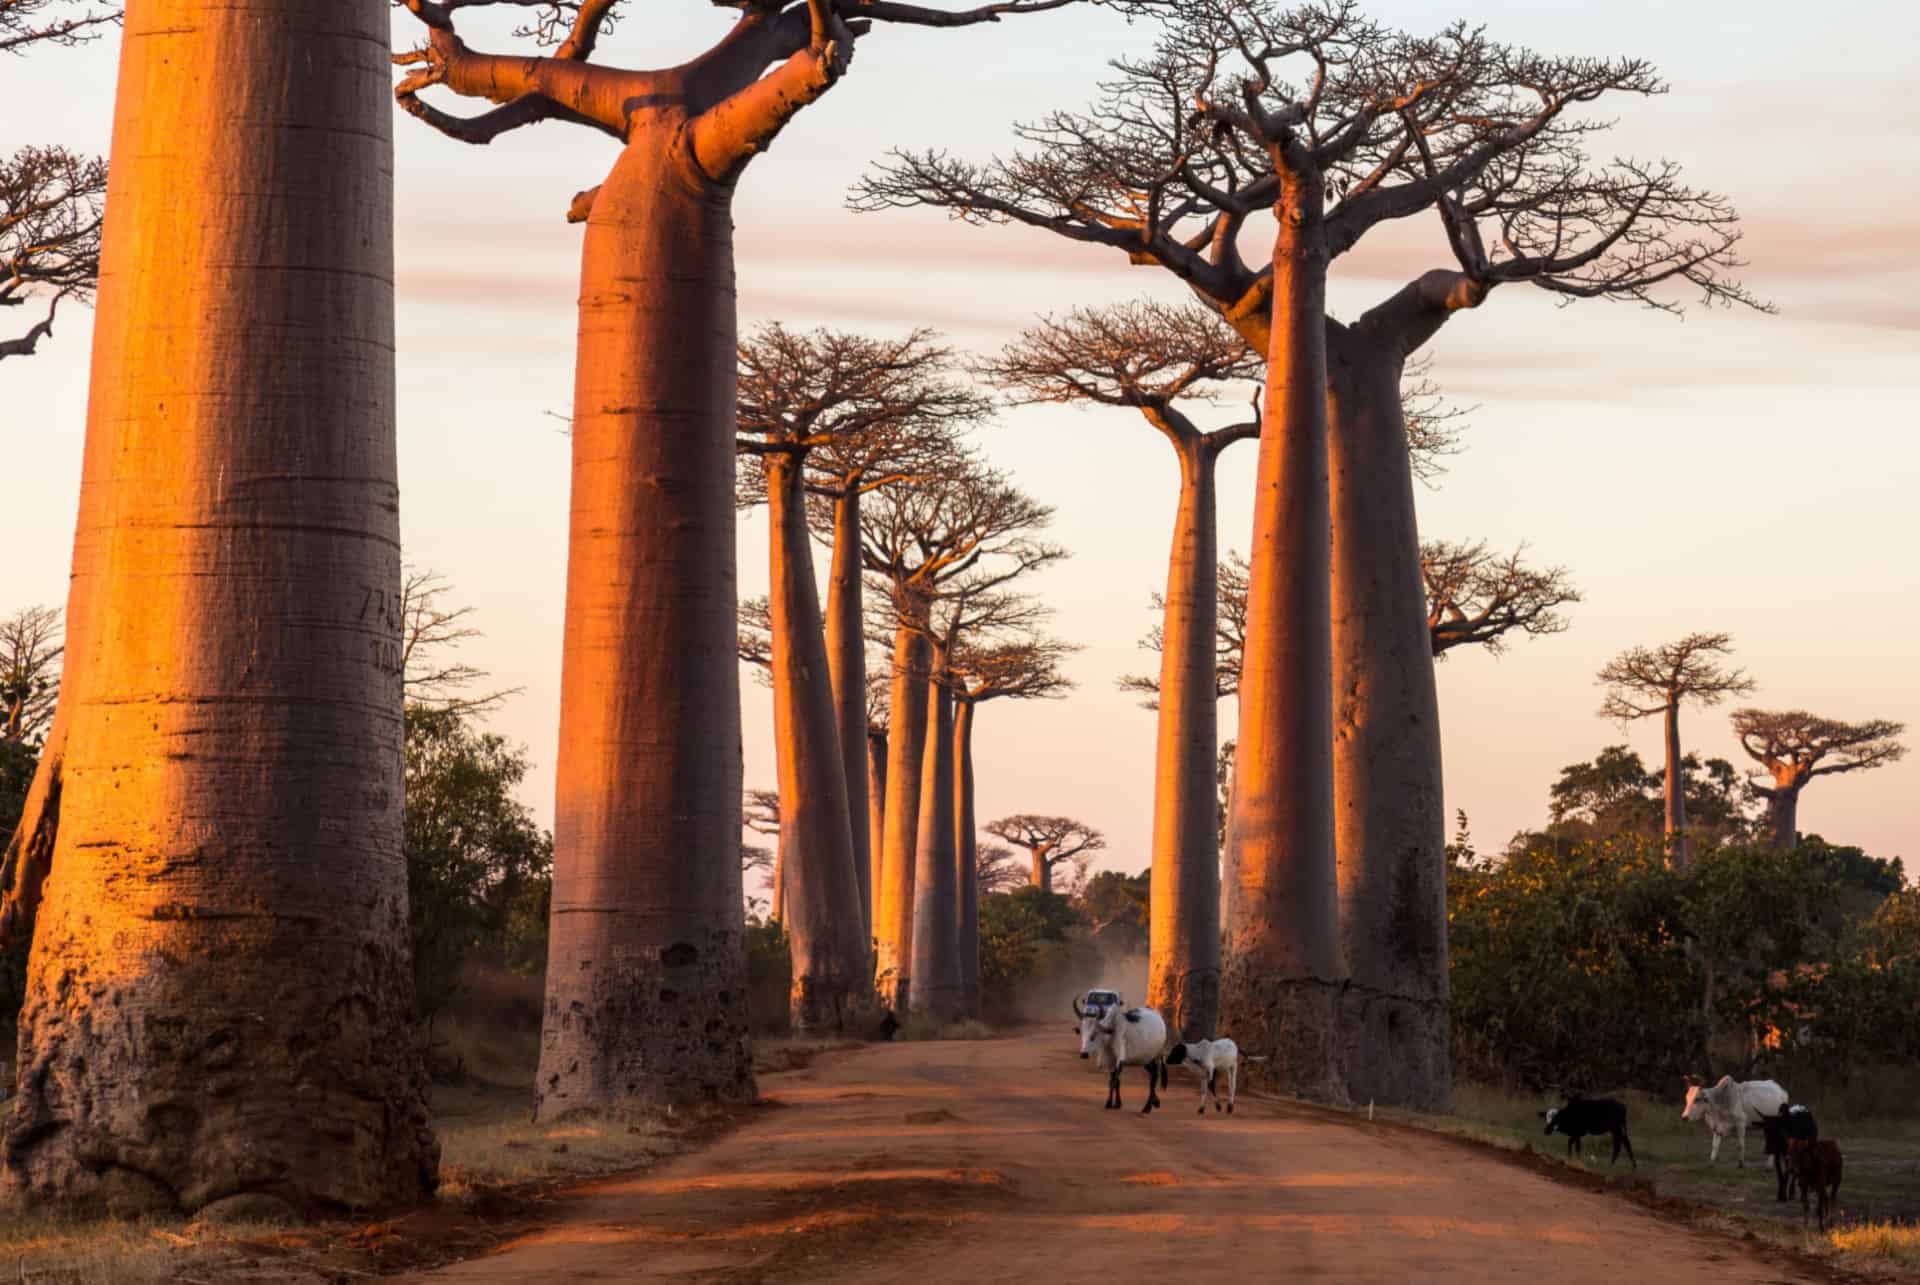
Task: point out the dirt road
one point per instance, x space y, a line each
993 1161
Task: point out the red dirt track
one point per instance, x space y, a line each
992 1161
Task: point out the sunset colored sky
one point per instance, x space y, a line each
1732 472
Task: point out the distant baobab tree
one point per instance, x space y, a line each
826 418
231 707
1648 682
998 870
1161 361
964 522
51 207
760 813
1187 145
879 688
1476 597
30 652
428 629
754 641
647 962
1050 842
1025 666
1793 746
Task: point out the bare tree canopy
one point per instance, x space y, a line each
1143 354
1049 841
52 202
1475 596
756 637
969 522
1024 667
52 22
997 869
780 56
1795 746
429 629
30 651
1645 681
1174 159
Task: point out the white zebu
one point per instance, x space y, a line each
1121 1038
1730 1106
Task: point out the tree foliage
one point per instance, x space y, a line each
30 654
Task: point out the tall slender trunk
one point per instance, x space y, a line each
777 905
1676 827
935 971
1281 986
1042 870
966 846
1183 966
847 663
1783 814
906 742
646 975
876 821
822 911
218 996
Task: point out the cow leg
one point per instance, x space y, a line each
1624 1141
1153 1096
1779 1177
1113 1089
1233 1088
1206 1088
1740 1130
1713 1153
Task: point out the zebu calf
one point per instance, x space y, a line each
1210 1059
1118 1039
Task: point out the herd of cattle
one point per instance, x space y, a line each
1115 1037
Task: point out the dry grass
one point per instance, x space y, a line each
488 1140
1895 1243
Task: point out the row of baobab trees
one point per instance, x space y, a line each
217 992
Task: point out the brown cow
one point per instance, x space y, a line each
1815 1162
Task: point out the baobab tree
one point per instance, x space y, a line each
828 417
1793 746
964 523
1049 842
51 206
647 959
1024 667
218 994
997 869
1648 682
1476 597
754 639
1159 360
1186 146
30 651
879 688
760 813
799 395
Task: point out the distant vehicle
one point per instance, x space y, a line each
1098 1001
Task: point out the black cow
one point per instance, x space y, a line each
1794 1121
1582 1117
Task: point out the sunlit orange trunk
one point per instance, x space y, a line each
1783 809
218 995
1390 821
646 973
966 846
935 971
1183 965
906 744
847 664
822 907
876 819
1283 975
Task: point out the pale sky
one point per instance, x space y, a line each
1728 472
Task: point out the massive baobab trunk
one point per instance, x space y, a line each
646 978
1783 814
906 743
822 907
847 664
966 845
217 1000
1676 819
876 820
1283 980
1183 969
1390 821
935 971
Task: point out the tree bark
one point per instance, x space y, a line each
1783 814
1284 976
831 993
217 998
1676 827
847 663
1042 871
967 858
906 744
1390 818
777 903
646 979
935 971
1183 968
876 821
